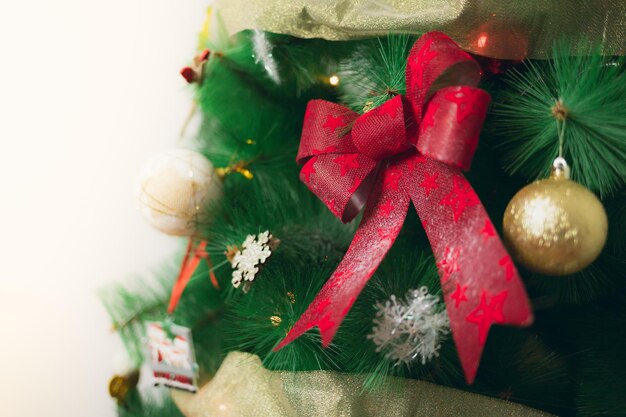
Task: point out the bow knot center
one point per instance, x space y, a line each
381 132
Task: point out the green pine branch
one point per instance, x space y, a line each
375 72
591 92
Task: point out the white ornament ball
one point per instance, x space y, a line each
175 188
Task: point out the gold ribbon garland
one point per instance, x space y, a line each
242 387
493 28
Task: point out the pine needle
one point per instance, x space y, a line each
375 72
592 89
133 303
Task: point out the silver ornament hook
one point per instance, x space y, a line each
560 168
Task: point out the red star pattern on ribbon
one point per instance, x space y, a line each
422 60
461 197
395 146
342 275
448 265
308 169
392 176
347 162
466 103
388 233
386 209
509 269
414 162
488 231
459 295
355 185
429 118
429 183
328 149
334 122
488 312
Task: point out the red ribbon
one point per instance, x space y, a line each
187 268
411 148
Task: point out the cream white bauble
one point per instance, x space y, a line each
174 190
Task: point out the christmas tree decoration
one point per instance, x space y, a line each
195 72
585 91
172 358
262 317
410 330
247 261
555 226
263 55
336 165
400 273
412 306
490 37
187 268
327 393
541 25
175 190
121 385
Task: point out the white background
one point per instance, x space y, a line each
88 91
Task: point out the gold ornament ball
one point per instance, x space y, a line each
120 385
174 189
555 226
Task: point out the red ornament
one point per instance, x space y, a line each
189 74
204 55
193 73
410 160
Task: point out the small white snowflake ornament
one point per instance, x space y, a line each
410 329
263 54
253 253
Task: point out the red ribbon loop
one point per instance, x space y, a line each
418 143
451 125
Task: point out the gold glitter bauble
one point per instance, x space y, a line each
120 385
175 188
555 226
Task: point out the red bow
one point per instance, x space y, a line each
410 149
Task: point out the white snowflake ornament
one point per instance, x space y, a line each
263 54
410 329
254 252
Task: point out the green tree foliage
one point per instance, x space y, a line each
569 362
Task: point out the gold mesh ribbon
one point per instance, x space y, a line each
494 28
242 388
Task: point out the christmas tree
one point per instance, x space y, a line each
361 235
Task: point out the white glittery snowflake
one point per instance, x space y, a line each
412 328
254 251
263 54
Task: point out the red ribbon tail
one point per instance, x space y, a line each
480 283
316 315
177 290
212 276
187 268
382 221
